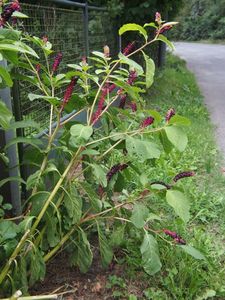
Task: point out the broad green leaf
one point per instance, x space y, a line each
167 145
139 215
150 255
24 124
158 187
143 149
179 120
180 204
6 76
117 237
133 65
37 265
20 15
51 100
84 255
73 204
206 295
150 70
5 116
100 174
13 178
166 41
192 251
8 230
105 248
25 140
18 47
99 54
177 137
33 180
52 231
38 200
132 91
81 132
95 202
152 24
90 152
10 34
133 27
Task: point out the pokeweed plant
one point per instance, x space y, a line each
86 179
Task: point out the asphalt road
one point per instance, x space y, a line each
207 61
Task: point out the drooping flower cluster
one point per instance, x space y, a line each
68 92
183 175
132 77
170 113
8 11
128 49
133 106
57 62
115 169
177 238
146 122
163 29
106 89
38 68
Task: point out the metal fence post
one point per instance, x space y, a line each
86 30
12 154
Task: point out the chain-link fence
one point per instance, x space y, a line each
73 31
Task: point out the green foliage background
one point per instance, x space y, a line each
201 19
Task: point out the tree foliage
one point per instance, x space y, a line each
201 19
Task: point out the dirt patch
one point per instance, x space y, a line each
94 285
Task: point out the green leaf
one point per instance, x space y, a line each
105 248
84 254
99 174
52 231
32 180
25 140
162 38
167 145
20 15
177 137
18 47
51 100
131 63
6 76
132 91
133 27
143 149
150 255
13 178
5 115
10 34
152 24
158 187
96 203
139 215
179 120
150 70
24 124
192 251
38 200
207 294
81 132
37 266
180 204
8 230
73 204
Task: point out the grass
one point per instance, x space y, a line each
182 277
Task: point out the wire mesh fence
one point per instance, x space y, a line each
65 29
